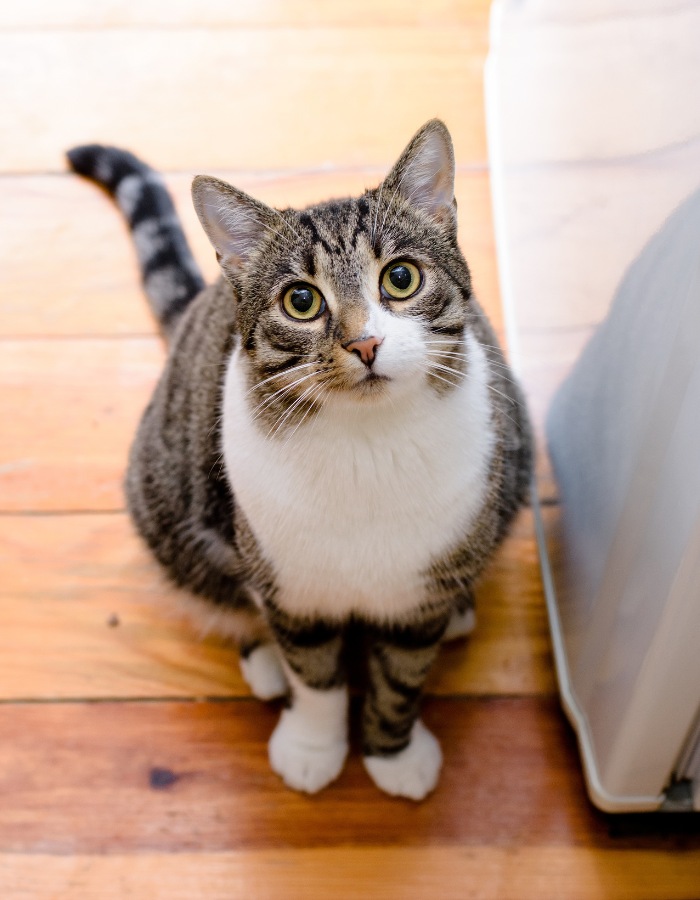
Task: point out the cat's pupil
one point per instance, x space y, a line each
302 299
400 277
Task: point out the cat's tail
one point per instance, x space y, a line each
171 277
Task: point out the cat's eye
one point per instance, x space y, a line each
303 302
400 280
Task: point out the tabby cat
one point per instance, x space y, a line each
336 441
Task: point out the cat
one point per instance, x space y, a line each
336 440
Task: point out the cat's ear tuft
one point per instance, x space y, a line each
425 173
234 222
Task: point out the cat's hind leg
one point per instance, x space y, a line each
244 624
261 668
463 619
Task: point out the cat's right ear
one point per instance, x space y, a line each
233 221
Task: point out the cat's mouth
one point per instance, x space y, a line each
372 383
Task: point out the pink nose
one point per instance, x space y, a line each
366 348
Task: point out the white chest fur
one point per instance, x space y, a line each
355 506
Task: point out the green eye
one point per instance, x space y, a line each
303 302
400 280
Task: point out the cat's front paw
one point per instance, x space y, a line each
305 762
414 771
263 672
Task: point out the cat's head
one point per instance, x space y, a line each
351 301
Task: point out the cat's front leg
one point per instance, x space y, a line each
401 755
309 746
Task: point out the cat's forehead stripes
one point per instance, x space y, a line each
337 224
339 257
337 227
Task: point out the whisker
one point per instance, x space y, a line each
279 375
435 375
449 353
217 462
492 346
486 346
434 365
217 421
498 365
285 389
430 370
503 376
321 406
444 344
280 422
511 400
503 368
319 386
490 387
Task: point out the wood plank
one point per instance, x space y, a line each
88 283
180 777
73 405
206 96
355 873
46 14
85 613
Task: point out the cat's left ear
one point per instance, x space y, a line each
425 173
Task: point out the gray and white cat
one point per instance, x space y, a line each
336 440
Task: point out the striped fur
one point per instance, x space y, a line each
170 275
302 492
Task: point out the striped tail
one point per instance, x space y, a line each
170 275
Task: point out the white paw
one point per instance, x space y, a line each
263 673
413 772
460 625
306 762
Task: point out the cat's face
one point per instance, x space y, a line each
351 301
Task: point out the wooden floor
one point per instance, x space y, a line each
132 759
